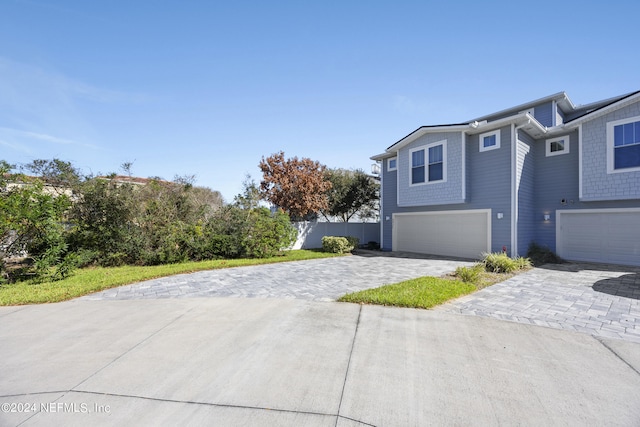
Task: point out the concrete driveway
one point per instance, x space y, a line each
183 359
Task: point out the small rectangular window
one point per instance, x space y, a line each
392 164
557 146
490 141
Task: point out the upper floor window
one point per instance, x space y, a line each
557 146
490 140
623 145
428 163
392 164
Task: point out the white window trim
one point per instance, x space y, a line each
484 135
549 153
610 146
426 163
389 168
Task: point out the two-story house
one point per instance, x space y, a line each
563 176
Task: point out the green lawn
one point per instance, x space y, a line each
89 280
423 292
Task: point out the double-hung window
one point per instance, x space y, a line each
623 145
428 163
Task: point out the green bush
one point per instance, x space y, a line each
268 233
353 241
499 263
336 245
523 263
469 274
542 255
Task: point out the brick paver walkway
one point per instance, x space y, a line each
598 299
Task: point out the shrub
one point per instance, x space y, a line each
523 263
469 274
499 263
268 233
353 241
542 255
336 245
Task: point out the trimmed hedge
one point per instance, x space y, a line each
339 244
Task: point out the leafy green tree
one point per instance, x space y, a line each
352 193
32 229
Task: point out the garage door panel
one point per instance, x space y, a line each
450 234
609 236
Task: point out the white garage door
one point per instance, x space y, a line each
464 234
599 235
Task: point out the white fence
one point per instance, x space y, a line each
310 233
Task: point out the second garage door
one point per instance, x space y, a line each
464 234
599 235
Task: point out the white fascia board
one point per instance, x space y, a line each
517 119
382 156
426 130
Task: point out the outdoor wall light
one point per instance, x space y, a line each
500 215
547 217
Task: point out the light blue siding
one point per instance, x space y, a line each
556 179
525 182
389 205
597 184
488 184
544 113
556 187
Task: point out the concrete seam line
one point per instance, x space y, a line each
191 402
134 347
617 355
346 374
12 312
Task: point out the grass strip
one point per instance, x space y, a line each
95 279
423 292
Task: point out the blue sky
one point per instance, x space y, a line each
209 87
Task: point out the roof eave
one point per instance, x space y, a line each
629 99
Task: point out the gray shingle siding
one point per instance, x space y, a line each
437 193
596 183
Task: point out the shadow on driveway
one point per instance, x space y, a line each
627 286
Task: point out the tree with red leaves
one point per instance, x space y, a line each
296 185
